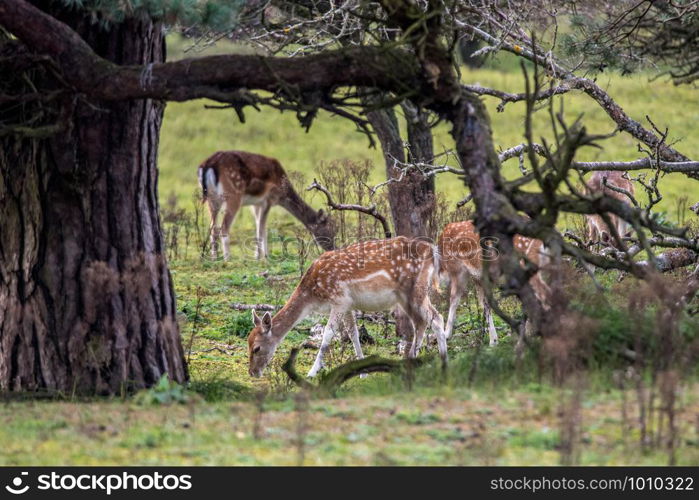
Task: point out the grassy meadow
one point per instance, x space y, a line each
493 409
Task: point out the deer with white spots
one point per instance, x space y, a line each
597 230
462 256
369 276
231 179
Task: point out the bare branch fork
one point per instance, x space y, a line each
519 151
569 82
426 169
370 210
554 173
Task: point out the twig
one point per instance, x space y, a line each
371 210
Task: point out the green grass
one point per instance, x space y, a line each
491 410
442 427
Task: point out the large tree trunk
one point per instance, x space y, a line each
420 189
86 297
411 195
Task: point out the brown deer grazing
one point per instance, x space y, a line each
597 229
236 178
462 262
375 275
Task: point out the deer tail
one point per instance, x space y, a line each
208 179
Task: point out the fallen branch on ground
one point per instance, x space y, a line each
331 381
672 259
211 349
373 317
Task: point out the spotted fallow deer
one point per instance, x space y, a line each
231 179
374 275
462 256
597 229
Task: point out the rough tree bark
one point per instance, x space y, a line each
411 196
86 298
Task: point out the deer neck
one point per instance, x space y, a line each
295 309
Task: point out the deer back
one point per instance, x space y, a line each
250 174
615 178
460 248
399 263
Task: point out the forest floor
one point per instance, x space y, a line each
491 410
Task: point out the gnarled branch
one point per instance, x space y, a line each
331 381
371 210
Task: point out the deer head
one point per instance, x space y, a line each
324 230
261 343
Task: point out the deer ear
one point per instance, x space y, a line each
267 320
256 320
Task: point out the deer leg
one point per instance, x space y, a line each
420 325
233 202
404 326
214 206
414 308
593 228
492 332
437 325
623 228
261 211
256 212
541 290
455 293
328 334
351 324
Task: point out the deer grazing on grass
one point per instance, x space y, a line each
462 263
375 275
232 179
597 229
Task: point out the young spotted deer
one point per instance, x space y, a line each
597 229
368 276
231 179
462 263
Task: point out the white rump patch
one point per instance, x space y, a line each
211 183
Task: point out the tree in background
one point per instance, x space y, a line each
628 35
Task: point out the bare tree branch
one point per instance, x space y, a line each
570 81
371 210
